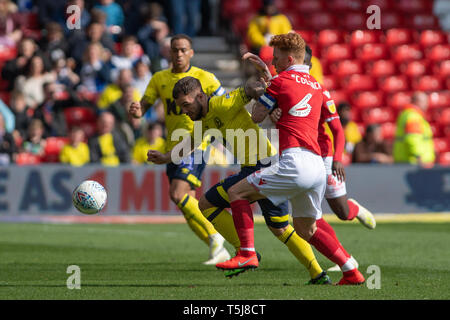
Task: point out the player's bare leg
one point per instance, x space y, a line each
182 195
306 227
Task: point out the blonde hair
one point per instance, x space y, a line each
291 42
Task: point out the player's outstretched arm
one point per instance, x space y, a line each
259 64
259 112
138 109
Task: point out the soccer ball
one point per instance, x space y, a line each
89 197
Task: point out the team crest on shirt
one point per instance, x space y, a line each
331 106
218 123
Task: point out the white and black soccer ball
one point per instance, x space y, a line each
89 197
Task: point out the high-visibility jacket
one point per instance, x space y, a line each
261 25
413 137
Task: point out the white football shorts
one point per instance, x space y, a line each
334 188
299 176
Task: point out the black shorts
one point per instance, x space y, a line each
187 170
275 216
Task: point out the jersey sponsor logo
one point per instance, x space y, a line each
261 182
303 108
331 106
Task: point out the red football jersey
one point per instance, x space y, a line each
328 113
300 98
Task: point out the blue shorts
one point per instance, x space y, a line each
187 170
275 216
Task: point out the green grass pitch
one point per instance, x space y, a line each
163 261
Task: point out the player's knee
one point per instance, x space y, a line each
277 231
305 232
203 204
176 196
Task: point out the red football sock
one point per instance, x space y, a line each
328 246
353 210
325 226
243 221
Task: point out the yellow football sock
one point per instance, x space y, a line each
301 250
222 220
195 219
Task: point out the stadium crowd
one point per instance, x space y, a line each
66 81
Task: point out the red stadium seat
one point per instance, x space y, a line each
308 6
377 115
436 129
427 83
344 5
239 24
368 99
395 37
423 21
407 52
330 82
337 52
5 97
415 68
26 158
394 84
328 37
358 82
412 6
442 69
353 20
429 38
444 159
372 51
439 52
339 96
444 118
388 130
441 145
7 53
384 5
439 99
79 115
283 5
398 100
321 20
391 20
53 147
296 19
361 37
308 35
347 67
233 8
381 68
28 20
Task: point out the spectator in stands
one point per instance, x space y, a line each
10 33
7 145
441 9
114 91
165 57
76 152
130 128
95 33
267 23
94 73
129 55
108 147
35 142
413 137
351 130
8 117
372 148
152 140
31 84
154 30
114 15
51 111
185 16
51 11
65 75
54 45
21 114
142 74
27 48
